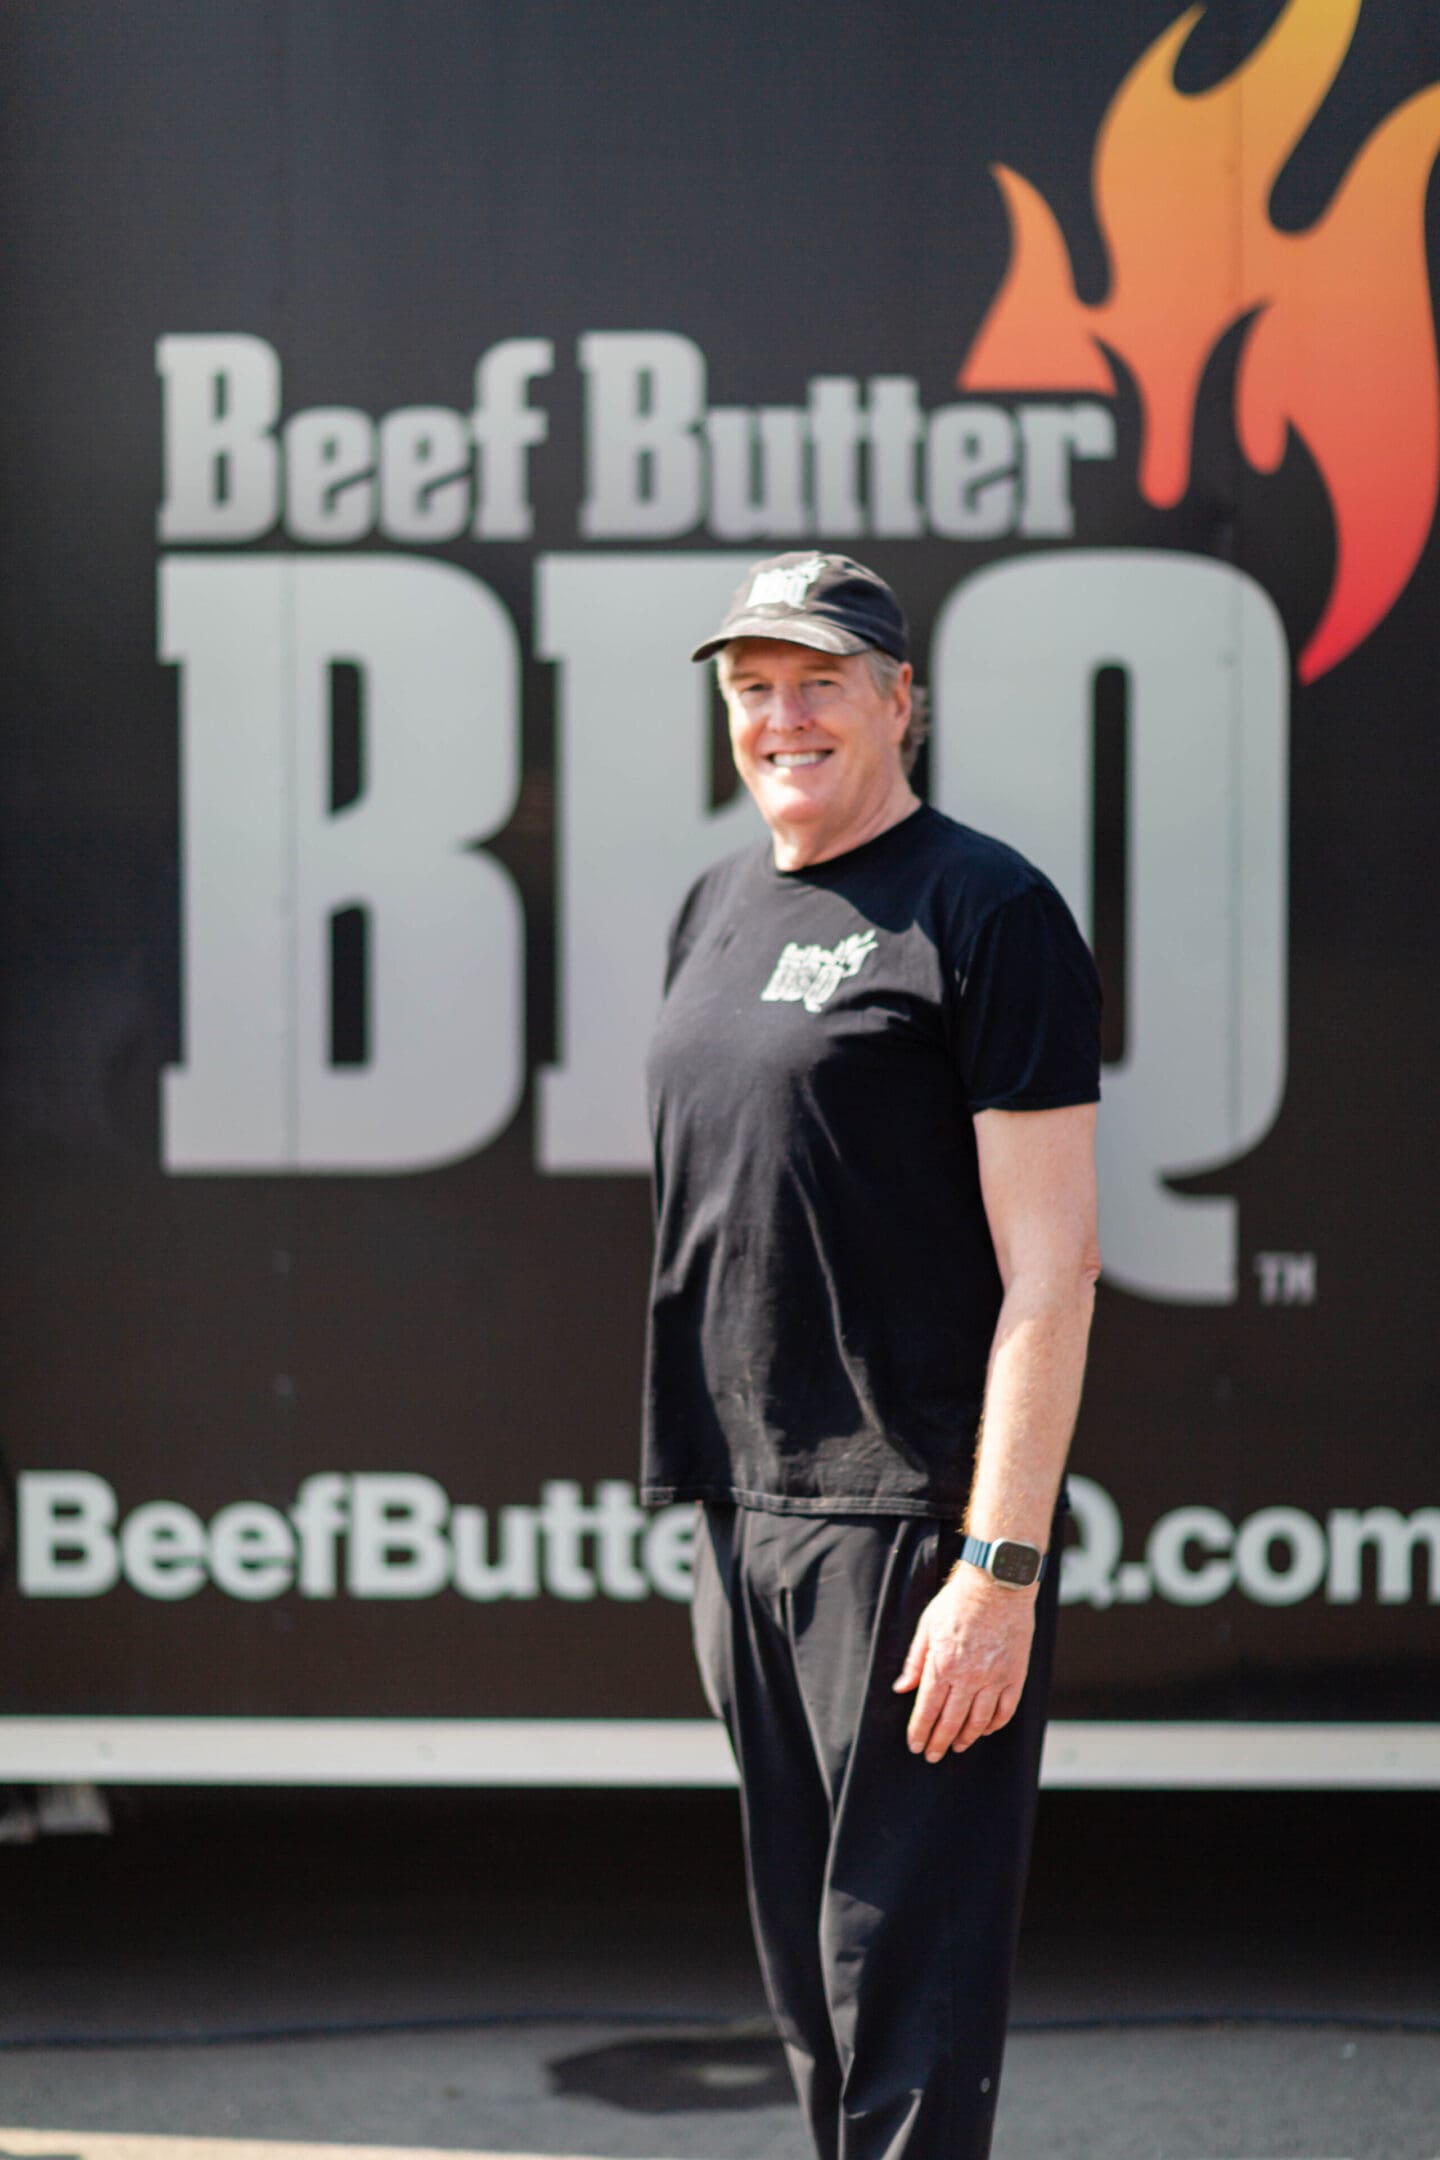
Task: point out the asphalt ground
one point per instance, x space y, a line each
1203 1977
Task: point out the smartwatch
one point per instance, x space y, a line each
1011 1562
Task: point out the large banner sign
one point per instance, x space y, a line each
395 394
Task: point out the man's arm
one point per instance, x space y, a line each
972 1646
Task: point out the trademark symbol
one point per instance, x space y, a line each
1286 1278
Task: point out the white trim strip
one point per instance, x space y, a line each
364 1751
664 1752
1241 1757
104 2145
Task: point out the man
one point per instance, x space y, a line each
872 1089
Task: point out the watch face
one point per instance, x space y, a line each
1015 1564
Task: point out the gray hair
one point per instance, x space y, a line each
885 675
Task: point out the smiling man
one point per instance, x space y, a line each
872 1090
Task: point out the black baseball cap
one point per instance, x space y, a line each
824 601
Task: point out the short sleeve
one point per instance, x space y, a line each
1028 1017
683 930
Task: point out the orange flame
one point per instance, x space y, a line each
1342 348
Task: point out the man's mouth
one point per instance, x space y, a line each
791 760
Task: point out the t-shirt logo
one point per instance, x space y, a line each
808 975
785 588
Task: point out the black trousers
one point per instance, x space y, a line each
885 1890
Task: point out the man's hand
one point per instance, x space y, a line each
968 1662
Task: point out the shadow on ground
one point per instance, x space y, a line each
563 1973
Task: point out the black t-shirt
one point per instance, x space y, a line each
825 1287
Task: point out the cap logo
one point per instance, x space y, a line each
785 588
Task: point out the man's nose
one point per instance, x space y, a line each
790 706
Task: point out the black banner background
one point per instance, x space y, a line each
383 192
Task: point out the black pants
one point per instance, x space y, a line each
885 1890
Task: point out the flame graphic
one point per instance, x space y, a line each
1342 346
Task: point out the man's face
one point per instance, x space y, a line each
815 741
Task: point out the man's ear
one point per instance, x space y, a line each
902 694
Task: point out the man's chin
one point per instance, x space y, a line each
802 796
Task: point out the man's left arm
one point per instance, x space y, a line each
971 1649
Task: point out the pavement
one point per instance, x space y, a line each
251 1976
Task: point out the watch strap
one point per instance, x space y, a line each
978 1551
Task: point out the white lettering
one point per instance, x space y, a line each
252 1551
1302 1540
424 475
505 428
633 722
319 1516
644 401
1395 1541
329 475
405 1541
837 430
670 1552
66 1521
226 1104
618 1523
563 1522
757 472
970 483
437 472
1087 1568
397 1546
1287 1278
658 462
1203 1072
1167 1553
515 1573
1050 435
221 399
441 669
267 869
1279 1556
897 429
162 1549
